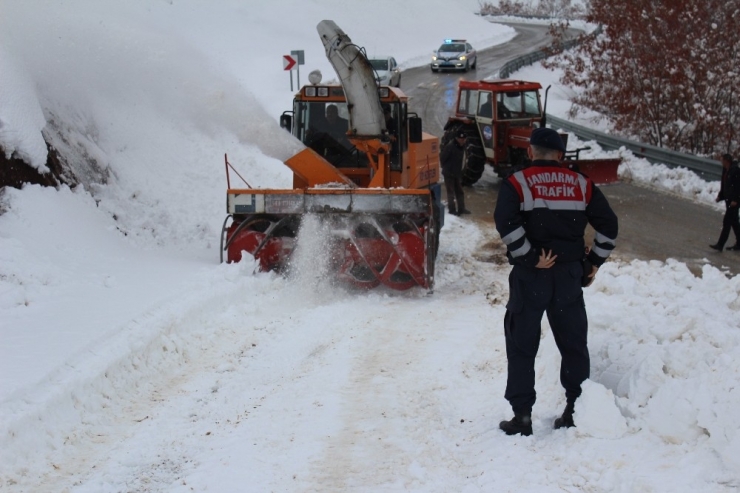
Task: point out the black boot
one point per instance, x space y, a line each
520 424
716 246
566 420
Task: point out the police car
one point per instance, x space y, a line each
454 54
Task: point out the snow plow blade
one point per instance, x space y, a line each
601 171
373 236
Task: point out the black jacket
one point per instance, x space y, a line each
451 158
730 184
545 206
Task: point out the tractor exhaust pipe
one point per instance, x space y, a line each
543 122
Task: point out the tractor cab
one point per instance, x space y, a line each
498 117
501 111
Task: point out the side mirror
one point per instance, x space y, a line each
286 122
414 129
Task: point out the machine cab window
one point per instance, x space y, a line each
323 127
531 104
485 104
395 124
519 105
468 102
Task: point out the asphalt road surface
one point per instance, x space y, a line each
653 225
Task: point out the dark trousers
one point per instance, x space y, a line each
729 221
532 293
455 194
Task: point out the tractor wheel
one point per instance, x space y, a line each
476 161
475 155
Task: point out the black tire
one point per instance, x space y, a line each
434 70
467 66
475 163
399 82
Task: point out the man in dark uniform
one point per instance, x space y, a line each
541 214
451 158
729 191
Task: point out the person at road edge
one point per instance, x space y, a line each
729 191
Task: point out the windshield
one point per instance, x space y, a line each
379 64
452 48
524 104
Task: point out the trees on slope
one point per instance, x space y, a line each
664 71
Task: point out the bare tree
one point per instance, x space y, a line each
665 71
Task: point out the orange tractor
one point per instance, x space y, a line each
368 172
498 117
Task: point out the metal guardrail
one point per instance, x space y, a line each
708 169
534 56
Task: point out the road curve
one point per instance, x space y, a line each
654 225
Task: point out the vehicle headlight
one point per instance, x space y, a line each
434 58
461 57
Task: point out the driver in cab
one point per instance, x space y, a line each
336 126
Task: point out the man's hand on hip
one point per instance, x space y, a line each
547 260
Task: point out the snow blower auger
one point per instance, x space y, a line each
369 173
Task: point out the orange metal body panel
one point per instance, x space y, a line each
422 163
310 170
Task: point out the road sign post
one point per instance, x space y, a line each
298 56
289 64
293 62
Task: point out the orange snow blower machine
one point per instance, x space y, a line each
368 172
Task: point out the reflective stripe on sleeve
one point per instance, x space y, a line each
514 235
523 250
600 238
601 252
